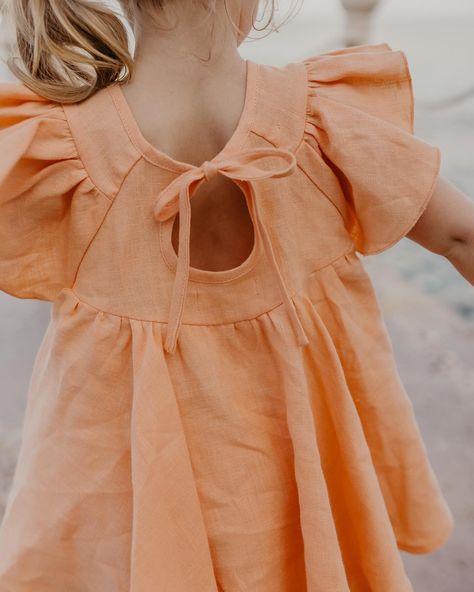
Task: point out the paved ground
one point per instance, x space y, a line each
433 349
428 306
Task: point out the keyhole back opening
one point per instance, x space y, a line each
222 233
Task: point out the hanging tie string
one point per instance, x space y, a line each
176 197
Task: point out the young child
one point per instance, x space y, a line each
215 406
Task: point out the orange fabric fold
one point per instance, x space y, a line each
360 115
243 461
242 167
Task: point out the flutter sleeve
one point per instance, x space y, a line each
49 208
360 113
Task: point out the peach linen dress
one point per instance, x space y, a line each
190 430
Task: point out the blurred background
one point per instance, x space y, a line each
428 306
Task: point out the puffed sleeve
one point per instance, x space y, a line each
49 208
360 113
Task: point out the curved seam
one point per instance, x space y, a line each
295 293
310 83
61 117
131 136
416 216
253 253
78 154
316 96
111 202
343 218
306 108
244 268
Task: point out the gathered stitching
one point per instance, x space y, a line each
78 155
295 293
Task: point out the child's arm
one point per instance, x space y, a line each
446 227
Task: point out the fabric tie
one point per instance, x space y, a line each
175 198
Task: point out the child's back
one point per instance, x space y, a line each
192 124
203 420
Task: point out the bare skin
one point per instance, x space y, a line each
171 67
168 72
447 227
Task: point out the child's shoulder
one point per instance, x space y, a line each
367 80
360 125
377 62
370 79
18 103
84 132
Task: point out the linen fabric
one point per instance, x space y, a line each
245 459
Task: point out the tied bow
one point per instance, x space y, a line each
176 198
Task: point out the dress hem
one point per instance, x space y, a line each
427 547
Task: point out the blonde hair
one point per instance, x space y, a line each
68 49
